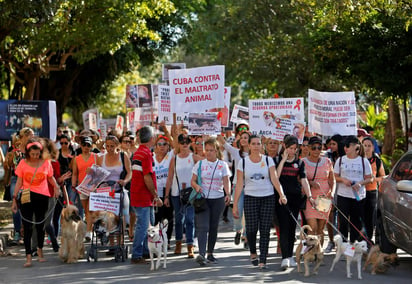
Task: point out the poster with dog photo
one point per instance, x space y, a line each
204 123
273 118
240 114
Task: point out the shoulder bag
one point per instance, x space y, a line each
24 194
200 203
184 192
323 203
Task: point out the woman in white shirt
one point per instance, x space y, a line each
256 176
214 173
352 173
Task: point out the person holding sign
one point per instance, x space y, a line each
292 176
80 165
319 171
212 184
256 177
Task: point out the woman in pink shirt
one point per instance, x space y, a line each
33 172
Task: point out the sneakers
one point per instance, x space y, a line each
237 238
16 237
211 259
201 260
88 236
292 262
330 247
285 263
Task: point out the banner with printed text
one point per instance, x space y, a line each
197 89
332 113
223 113
274 118
104 201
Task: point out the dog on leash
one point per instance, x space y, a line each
72 235
352 253
380 261
157 243
310 250
105 223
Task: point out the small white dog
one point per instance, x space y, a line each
352 252
157 243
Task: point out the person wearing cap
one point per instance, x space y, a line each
319 172
143 193
352 173
179 177
292 176
81 163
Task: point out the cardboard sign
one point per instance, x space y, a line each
274 118
223 113
38 115
103 201
204 123
197 89
90 182
332 113
131 96
240 114
119 123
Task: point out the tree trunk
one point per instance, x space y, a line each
394 130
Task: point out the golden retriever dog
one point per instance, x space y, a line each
312 251
72 235
380 261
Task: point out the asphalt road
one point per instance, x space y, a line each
233 267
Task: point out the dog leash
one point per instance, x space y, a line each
50 211
296 221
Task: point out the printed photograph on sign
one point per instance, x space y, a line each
240 114
204 123
131 96
86 118
223 113
274 118
144 93
170 66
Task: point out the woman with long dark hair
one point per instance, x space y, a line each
33 173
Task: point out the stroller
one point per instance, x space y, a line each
101 234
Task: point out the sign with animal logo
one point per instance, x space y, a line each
274 118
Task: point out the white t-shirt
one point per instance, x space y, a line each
183 170
352 170
161 170
212 178
257 181
235 155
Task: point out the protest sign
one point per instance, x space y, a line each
130 125
38 115
240 114
332 113
94 177
204 123
143 116
103 130
197 89
223 113
131 96
91 120
104 201
170 66
164 108
119 124
274 118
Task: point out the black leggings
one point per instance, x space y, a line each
354 211
287 226
370 212
38 207
258 216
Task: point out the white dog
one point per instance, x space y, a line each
157 243
352 252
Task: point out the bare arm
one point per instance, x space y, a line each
275 182
238 192
148 181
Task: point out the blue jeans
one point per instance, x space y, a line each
186 215
16 216
237 223
74 197
145 216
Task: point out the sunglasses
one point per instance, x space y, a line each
184 142
64 143
243 128
86 145
316 148
199 143
161 144
127 141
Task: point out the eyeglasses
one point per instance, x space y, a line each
64 143
86 145
316 148
161 144
243 128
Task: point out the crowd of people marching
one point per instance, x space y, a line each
267 183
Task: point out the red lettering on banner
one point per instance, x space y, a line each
199 98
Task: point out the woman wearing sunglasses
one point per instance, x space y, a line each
162 157
181 169
319 172
352 173
80 165
65 156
